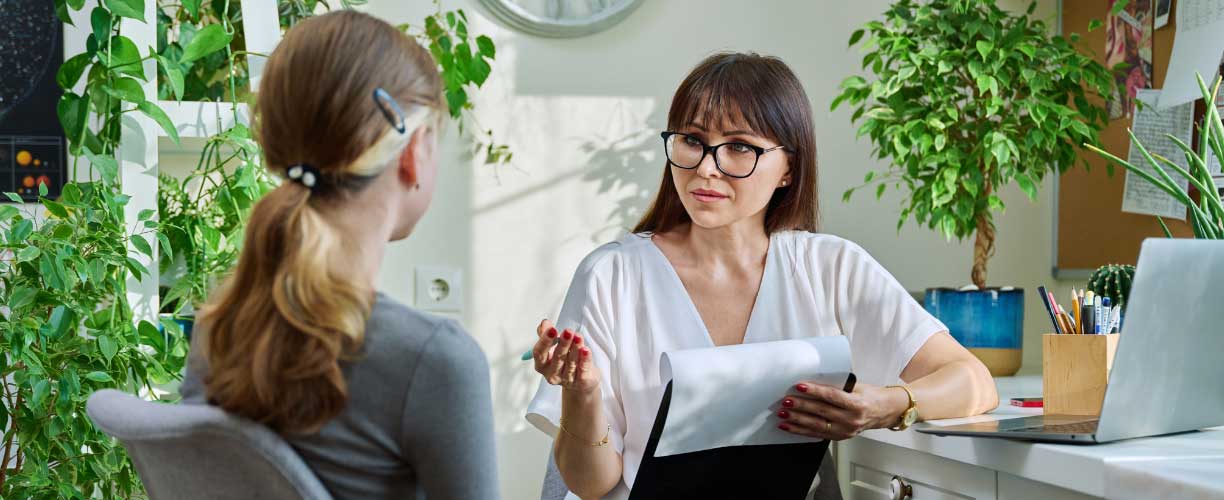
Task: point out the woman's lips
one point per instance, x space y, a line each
707 196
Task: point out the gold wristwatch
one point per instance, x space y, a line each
910 415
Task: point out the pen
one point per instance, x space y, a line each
1106 312
1045 299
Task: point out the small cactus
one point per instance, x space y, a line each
1113 281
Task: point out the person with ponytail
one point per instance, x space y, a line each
380 400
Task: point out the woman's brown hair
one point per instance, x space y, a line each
278 328
764 94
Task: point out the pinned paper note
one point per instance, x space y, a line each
727 396
1196 49
1152 127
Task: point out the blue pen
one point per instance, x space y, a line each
1106 320
1098 309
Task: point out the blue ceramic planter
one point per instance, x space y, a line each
990 323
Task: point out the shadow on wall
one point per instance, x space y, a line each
629 166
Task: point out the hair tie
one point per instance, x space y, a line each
304 174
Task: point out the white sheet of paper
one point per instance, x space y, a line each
1150 126
1197 47
728 396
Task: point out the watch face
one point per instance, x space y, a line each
911 416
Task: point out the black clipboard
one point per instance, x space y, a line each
782 471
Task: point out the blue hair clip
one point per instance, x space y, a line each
390 109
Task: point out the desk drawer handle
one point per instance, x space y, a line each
900 489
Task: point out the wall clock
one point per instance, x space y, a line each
560 18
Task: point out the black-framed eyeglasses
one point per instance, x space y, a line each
733 159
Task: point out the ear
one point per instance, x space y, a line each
786 179
419 150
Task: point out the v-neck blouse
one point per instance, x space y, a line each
630 306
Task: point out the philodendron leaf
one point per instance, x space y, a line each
208 40
125 57
155 112
133 9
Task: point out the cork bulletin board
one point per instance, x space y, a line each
1090 228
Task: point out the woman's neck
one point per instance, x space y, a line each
366 228
743 244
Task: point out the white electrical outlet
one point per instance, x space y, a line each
439 288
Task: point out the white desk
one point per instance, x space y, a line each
1180 466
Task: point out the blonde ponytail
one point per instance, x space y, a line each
278 329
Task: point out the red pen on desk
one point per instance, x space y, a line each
1026 402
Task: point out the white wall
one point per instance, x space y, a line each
582 117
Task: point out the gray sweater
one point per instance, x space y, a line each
419 421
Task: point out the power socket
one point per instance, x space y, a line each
439 288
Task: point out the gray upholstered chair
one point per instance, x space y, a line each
198 452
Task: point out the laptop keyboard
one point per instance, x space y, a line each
1087 427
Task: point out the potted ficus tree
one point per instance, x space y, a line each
963 99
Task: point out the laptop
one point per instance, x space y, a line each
1169 362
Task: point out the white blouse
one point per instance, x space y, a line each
630 306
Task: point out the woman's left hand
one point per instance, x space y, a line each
827 412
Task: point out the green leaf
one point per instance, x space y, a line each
193 8
174 74
984 48
99 377
71 70
125 57
211 38
1118 7
28 254
41 389
127 89
155 112
149 332
21 297
43 189
142 245
108 347
1094 25
106 165
855 37
486 47
73 111
101 22
1027 185
56 209
133 9
62 319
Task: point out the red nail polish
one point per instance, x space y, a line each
783 414
788 403
552 333
801 388
585 352
784 427
577 339
567 335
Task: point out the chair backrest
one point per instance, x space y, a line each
191 451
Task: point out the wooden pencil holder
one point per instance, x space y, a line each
1075 371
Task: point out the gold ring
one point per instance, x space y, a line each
828 426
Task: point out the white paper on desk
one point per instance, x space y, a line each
1197 47
728 396
1151 126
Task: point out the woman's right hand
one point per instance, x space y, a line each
568 363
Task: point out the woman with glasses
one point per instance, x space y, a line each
728 253
380 400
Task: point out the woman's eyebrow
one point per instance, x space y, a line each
738 132
697 126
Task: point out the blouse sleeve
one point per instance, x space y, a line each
884 324
588 310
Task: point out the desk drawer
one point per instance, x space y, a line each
866 467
